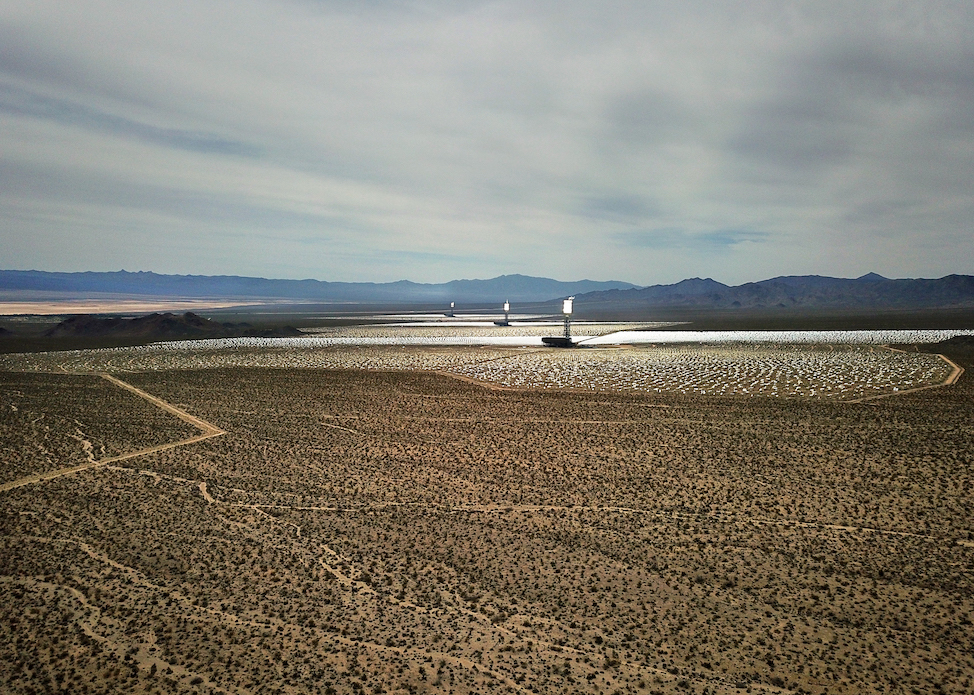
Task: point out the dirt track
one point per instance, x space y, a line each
208 432
955 374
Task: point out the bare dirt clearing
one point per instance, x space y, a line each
398 532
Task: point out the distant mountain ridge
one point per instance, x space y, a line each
516 288
804 292
814 292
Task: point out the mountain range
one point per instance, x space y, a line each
814 292
515 288
796 293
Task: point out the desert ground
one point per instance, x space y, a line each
427 530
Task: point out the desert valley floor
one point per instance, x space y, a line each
357 531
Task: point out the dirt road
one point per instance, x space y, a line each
208 430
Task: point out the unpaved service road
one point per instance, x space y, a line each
208 431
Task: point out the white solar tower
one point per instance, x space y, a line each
566 309
564 341
507 311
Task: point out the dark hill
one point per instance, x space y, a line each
159 327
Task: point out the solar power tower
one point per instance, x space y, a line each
566 309
507 311
565 340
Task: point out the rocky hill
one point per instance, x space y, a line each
812 292
159 327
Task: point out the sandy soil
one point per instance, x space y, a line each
369 532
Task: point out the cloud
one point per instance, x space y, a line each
428 140
678 239
22 103
618 208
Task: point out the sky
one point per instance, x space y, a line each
380 140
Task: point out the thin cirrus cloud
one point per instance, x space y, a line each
429 140
24 104
618 208
718 240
